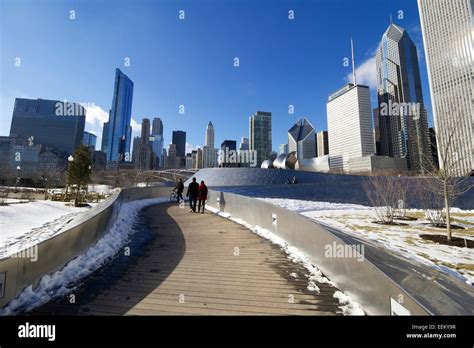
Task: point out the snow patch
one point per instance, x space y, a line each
26 224
357 220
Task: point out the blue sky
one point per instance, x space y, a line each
190 62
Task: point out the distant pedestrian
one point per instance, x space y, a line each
179 190
192 193
202 196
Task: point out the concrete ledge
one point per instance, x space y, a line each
79 236
363 281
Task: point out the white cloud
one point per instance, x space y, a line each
136 127
366 73
96 115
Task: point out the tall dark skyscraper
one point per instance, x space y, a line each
179 139
403 124
105 136
157 127
260 135
226 147
49 122
229 145
119 130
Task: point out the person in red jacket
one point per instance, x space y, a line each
202 196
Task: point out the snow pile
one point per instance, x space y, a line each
302 205
297 256
348 306
63 281
357 220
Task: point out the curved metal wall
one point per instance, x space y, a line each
54 253
371 282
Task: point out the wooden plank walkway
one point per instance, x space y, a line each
202 264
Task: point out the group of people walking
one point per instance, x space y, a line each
197 193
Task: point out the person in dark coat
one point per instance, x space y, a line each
179 190
202 196
192 193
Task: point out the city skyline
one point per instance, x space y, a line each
308 100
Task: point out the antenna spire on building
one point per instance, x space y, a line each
353 64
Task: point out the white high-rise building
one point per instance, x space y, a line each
448 36
322 143
349 117
209 157
210 135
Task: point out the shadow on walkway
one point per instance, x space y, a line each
109 290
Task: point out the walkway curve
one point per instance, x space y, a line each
202 264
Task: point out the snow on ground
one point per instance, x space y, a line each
357 220
347 306
102 189
63 281
13 200
25 224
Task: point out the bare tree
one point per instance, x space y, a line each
50 176
384 195
443 185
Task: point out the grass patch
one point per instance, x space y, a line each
459 266
410 241
367 228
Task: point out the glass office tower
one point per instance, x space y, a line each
119 129
260 129
402 118
54 123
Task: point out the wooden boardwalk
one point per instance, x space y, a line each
202 264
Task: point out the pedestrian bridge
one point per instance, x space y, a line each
202 264
184 263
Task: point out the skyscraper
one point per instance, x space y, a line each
244 143
89 139
322 143
158 140
210 135
179 139
403 124
157 127
172 161
225 159
301 138
145 136
135 149
209 157
349 125
145 151
447 36
54 123
105 137
260 135
119 129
